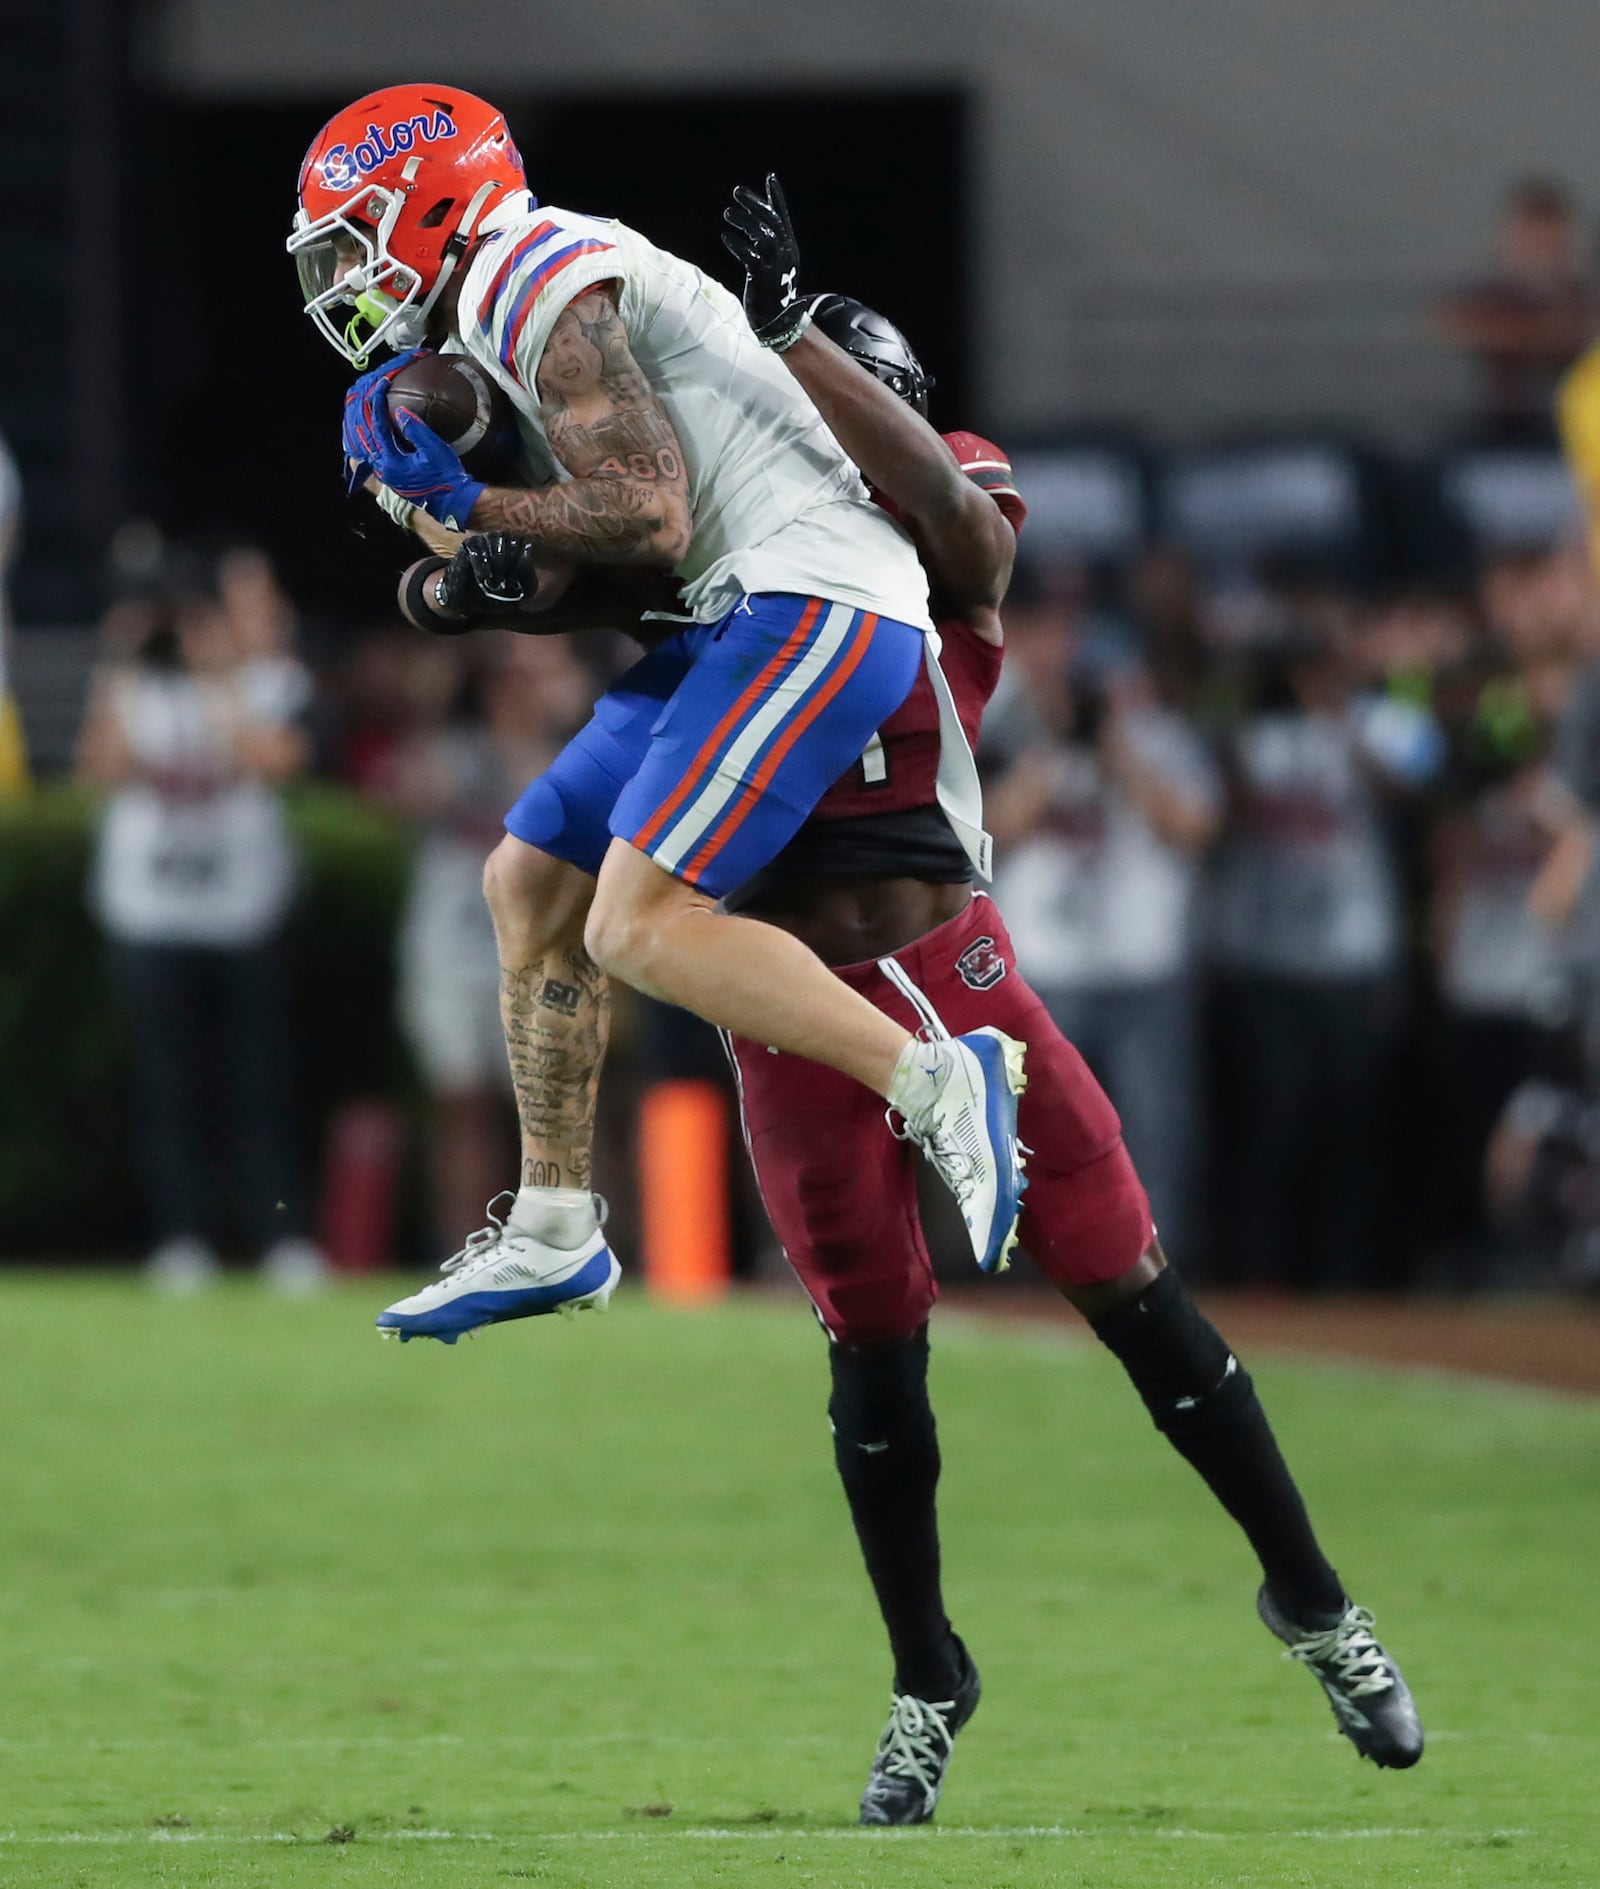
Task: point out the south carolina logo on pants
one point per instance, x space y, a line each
981 966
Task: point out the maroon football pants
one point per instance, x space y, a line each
841 1191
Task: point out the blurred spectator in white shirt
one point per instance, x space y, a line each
1308 944
193 731
1103 805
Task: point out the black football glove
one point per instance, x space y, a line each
760 238
494 571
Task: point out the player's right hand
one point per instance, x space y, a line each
494 571
365 412
403 453
760 238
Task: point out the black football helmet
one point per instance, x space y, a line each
874 341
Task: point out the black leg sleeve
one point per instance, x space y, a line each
1203 1402
887 1451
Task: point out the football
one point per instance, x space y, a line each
452 394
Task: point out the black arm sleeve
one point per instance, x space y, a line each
414 604
598 598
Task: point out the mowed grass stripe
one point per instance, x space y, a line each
940 1833
933 1833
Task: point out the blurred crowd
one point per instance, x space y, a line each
1304 882
1292 779
1302 872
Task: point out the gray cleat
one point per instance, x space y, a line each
1371 1702
914 1752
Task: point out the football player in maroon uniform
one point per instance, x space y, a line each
876 883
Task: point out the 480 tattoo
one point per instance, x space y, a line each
663 463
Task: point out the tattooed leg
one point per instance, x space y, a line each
548 1253
553 1006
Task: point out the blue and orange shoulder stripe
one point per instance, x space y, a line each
530 263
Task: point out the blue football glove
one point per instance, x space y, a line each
367 392
403 453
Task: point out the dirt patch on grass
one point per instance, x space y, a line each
1554 1343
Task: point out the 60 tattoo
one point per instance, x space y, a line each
555 1030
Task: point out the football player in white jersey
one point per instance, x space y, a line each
669 437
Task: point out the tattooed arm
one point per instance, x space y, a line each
628 499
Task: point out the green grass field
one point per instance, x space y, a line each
578 1604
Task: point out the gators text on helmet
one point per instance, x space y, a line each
391 193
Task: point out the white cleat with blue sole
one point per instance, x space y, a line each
958 1104
502 1273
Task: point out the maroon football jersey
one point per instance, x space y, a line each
901 764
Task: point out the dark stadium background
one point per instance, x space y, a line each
227 402
664 167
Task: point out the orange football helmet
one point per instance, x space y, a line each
404 176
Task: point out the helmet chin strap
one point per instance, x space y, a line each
412 327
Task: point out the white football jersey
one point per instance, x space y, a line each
777 503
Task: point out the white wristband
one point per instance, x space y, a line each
399 509
780 344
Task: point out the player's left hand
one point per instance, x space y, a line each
402 452
760 238
494 571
